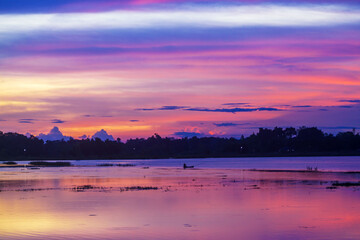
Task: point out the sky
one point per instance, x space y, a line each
178 68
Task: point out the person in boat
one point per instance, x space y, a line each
186 166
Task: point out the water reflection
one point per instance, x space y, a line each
199 204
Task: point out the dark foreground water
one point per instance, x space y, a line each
172 203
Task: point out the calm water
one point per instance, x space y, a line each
351 163
167 202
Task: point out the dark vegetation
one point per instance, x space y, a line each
50 164
105 165
125 165
10 163
121 189
267 142
119 165
346 184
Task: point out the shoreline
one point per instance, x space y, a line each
188 157
36 167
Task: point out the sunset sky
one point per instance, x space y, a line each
178 68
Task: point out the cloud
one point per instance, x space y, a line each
229 16
201 109
53 135
134 120
171 107
302 106
162 108
2 120
232 110
103 135
340 127
83 137
229 124
88 115
27 120
234 104
57 121
345 106
188 134
350 100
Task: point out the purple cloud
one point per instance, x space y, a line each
229 124
57 121
201 109
27 120
232 110
83 137
53 135
188 134
234 104
351 100
162 108
103 136
346 106
302 106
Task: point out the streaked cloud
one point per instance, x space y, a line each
302 106
350 100
57 121
233 110
199 16
162 108
27 120
229 124
345 106
234 104
204 109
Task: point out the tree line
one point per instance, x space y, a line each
266 142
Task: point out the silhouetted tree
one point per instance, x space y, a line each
277 141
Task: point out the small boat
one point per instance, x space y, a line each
186 166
